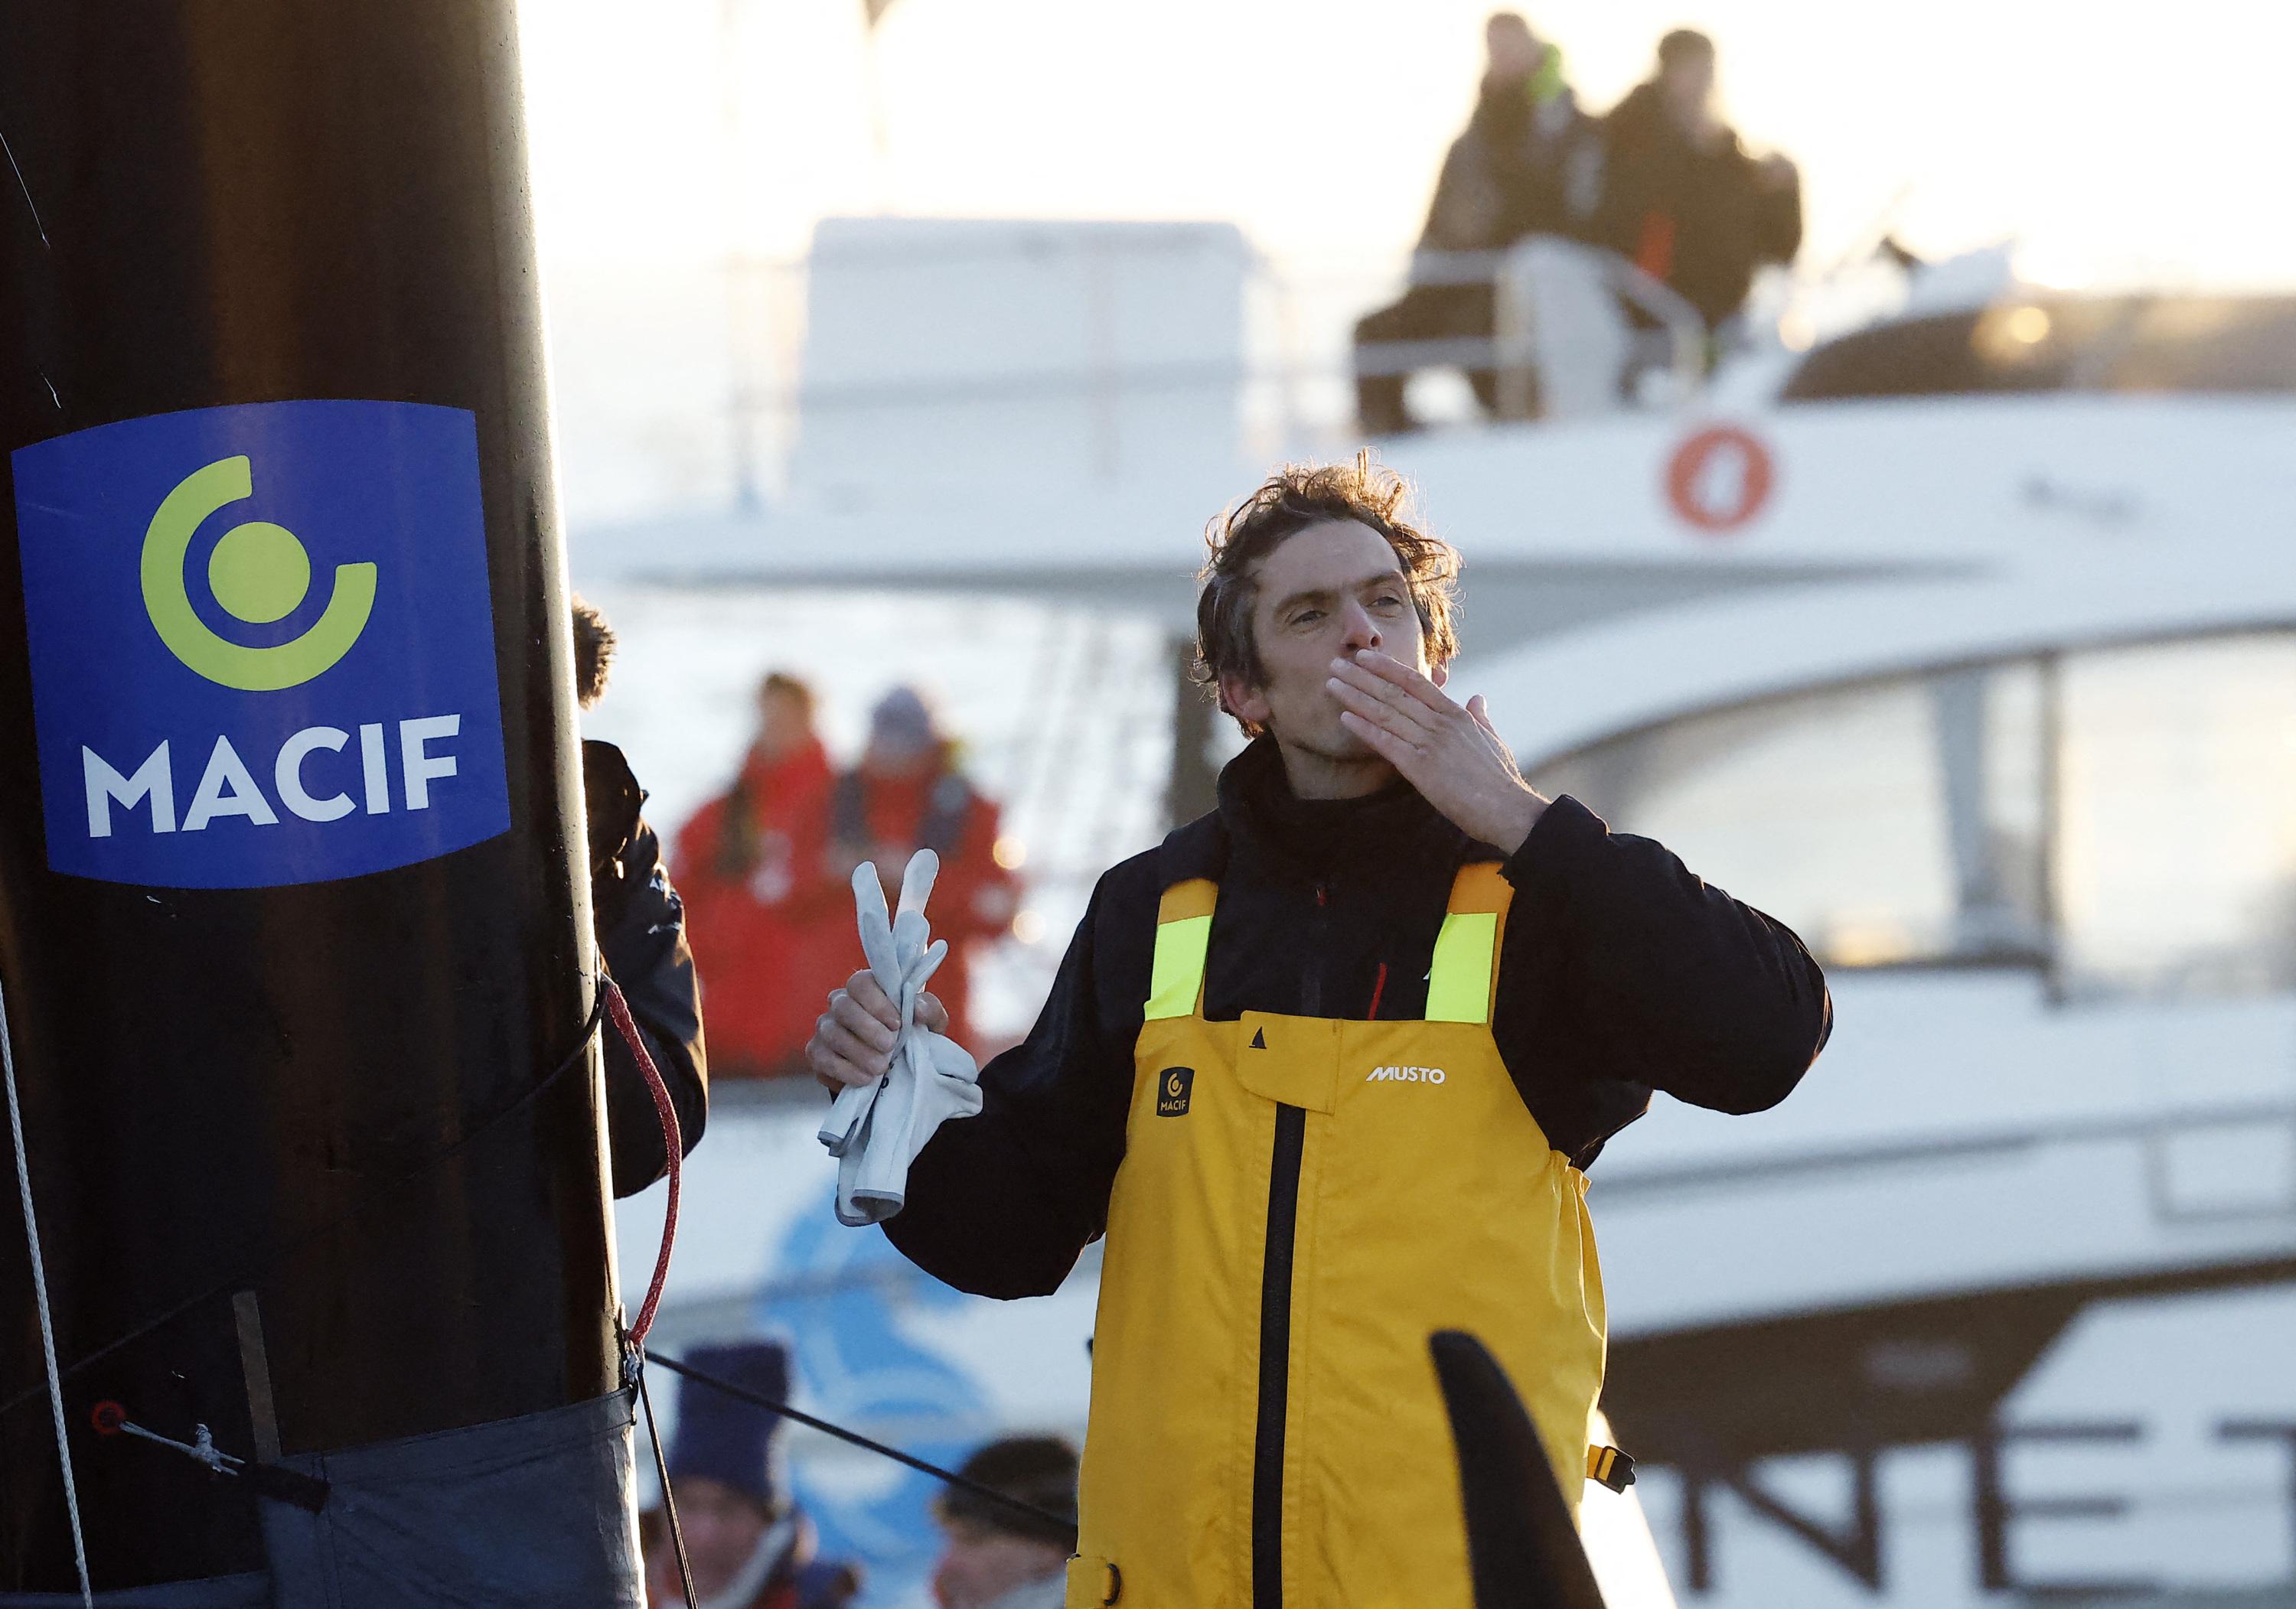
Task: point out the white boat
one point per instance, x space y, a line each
1989 691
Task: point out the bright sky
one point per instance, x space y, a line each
2117 141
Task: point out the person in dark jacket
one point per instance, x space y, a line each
1525 165
1680 196
640 924
1328 1069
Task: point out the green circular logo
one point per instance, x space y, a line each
260 572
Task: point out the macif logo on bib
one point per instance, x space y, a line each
262 647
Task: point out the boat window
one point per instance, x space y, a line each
1887 823
2176 853
2172 344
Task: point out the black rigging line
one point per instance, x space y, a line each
947 1476
669 1499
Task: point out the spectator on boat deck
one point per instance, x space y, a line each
1680 196
766 906
640 925
907 794
747 1542
998 1557
1524 165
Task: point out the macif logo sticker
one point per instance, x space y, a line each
262 647
1174 1086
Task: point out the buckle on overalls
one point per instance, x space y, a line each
1607 1467
1093 1583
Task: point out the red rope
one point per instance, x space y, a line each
618 1009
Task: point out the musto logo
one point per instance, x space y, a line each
261 645
1405 1075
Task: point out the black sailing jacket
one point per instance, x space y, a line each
1720 220
1621 973
640 924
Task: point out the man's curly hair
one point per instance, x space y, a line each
594 652
1289 501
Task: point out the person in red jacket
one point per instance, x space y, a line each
907 794
761 898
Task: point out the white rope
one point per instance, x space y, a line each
40 1291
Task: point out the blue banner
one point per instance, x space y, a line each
262 643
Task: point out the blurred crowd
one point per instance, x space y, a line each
766 868
1660 180
760 919
1004 1542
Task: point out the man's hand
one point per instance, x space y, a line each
1448 752
853 1041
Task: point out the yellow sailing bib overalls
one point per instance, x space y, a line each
1302 1201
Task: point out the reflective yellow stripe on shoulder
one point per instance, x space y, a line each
1465 970
1184 933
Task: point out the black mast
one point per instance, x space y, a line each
297 1057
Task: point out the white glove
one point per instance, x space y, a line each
875 1130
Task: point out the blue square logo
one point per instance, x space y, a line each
262 646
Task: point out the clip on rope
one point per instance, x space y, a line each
267 1480
40 1296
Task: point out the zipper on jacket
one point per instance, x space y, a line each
1319 926
1275 1359
1275 1300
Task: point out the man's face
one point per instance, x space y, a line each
1688 86
895 758
1327 591
722 1529
980 1565
782 724
1514 52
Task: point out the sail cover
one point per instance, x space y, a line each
519 1513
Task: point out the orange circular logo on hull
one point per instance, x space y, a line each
1719 478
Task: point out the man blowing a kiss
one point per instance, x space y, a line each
1327 1068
